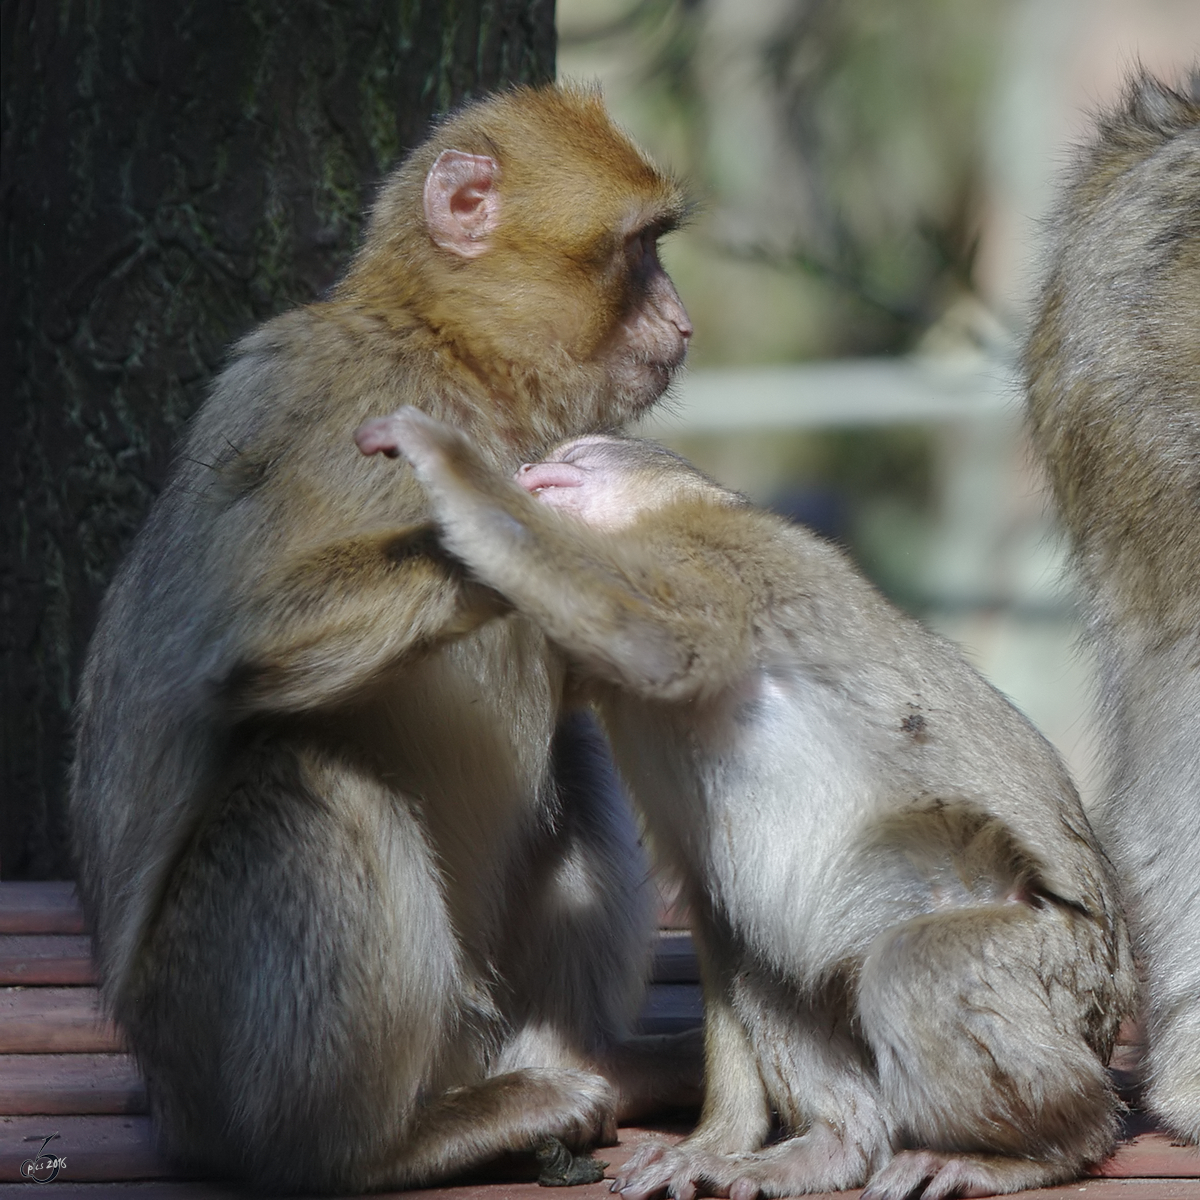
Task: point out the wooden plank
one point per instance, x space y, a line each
48 960
52 959
70 1084
53 1020
121 1148
39 908
1113 1189
671 1008
96 1148
1151 1155
154 1189
1096 1189
1083 1189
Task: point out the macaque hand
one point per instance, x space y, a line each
408 433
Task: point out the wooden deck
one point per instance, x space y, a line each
65 1075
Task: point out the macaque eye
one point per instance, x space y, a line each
643 250
641 255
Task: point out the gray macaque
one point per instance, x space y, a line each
912 949
367 902
1113 368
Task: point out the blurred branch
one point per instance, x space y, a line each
844 279
636 18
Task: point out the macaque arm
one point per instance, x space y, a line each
323 624
669 634
511 1112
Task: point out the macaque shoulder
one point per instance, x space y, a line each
276 422
717 551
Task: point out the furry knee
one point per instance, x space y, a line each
976 1047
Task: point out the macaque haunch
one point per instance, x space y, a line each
911 946
367 901
1113 365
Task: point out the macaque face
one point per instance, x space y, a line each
587 478
575 271
650 341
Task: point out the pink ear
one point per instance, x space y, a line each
462 202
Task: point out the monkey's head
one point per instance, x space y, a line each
524 233
609 482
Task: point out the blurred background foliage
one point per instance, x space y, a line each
873 180
834 149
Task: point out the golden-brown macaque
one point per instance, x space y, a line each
1113 366
912 949
368 906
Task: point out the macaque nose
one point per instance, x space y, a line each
676 313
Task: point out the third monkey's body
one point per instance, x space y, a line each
911 947
1114 401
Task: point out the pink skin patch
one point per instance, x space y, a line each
558 484
578 480
535 477
377 437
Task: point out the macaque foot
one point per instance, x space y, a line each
935 1175
816 1161
685 1172
682 1172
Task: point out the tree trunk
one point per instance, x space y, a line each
172 175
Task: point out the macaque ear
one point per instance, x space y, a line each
462 202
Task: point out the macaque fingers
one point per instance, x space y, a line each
407 432
441 457
819 1161
937 1175
679 1172
816 1161
378 436
644 1156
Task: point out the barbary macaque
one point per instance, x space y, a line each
1113 369
367 901
911 947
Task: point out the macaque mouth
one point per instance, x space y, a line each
536 477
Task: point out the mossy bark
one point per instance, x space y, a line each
172 175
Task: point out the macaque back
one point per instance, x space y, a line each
325 786
912 949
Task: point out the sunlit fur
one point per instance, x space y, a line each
912 948
1114 401
367 910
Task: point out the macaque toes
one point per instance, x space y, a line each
911 946
367 901
1113 366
